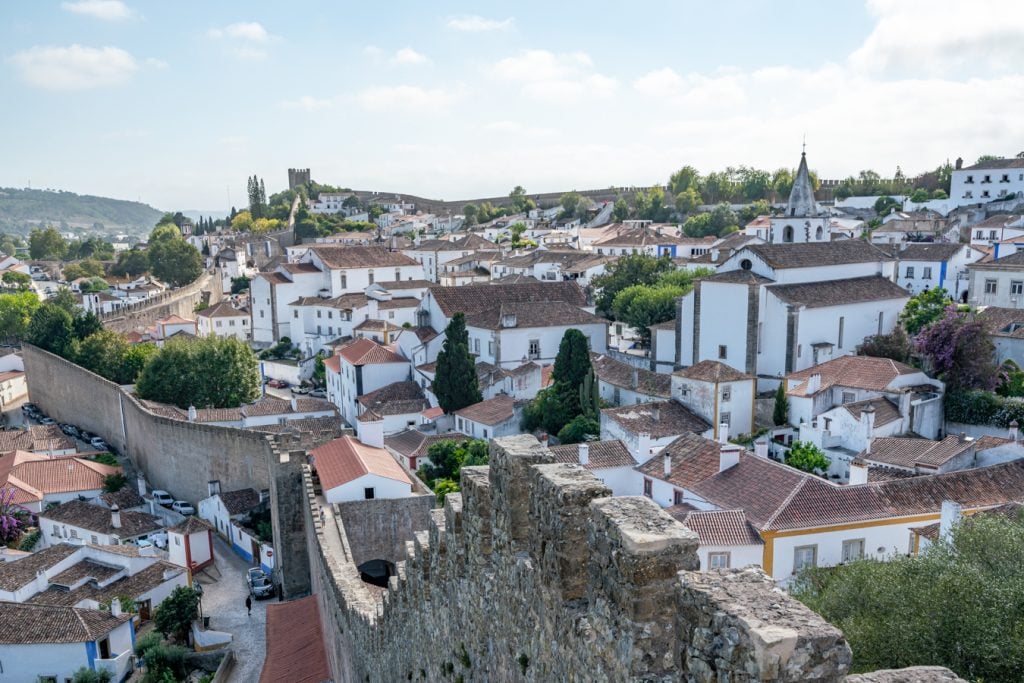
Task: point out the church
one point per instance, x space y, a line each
804 221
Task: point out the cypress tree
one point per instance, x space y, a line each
572 364
780 415
455 381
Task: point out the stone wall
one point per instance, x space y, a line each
180 457
181 301
534 573
379 529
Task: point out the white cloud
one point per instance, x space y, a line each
507 127
247 40
478 24
309 103
408 56
407 98
74 67
108 10
246 30
555 77
934 36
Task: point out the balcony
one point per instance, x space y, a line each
118 665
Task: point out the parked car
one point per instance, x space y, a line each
278 384
86 435
300 390
163 498
29 407
98 443
318 393
259 584
47 421
183 507
70 430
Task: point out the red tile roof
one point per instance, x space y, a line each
490 412
860 372
712 371
346 459
295 643
660 419
366 352
600 454
720 527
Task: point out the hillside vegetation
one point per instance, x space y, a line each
21 210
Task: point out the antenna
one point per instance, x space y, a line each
804 150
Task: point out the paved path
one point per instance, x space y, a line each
224 603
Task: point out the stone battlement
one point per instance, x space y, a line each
534 572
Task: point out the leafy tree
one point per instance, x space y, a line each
351 202
632 269
112 483
471 211
805 456
46 244
572 365
84 324
761 207
781 184
572 203
895 346
319 371
620 210
920 195
580 428
520 202
131 263
780 413
885 204
722 216
164 232
699 226
175 261
718 187
923 309
108 354
262 226
176 613
641 306
958 604
939 193
455 381
208 372
517 230
686 178
960 352
243 222
51 328
16 310
12 279
87 675
688 201
1011 380
590 395
446 460
650 205
239 284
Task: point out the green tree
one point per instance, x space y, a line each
923 309
939 193
686 178
590 395
12 279
131 263
175 261
16 311
781 184
895 346
650 205
718 187
517 230
632 269
209 372
959 604
780 412
243 222
572 204
520 202
176 613
87 675
46 244
699 226
455 381
580 428
471 211
620 210
805 456
920 195
164 232
112 483
1012 380
239 284
51 328
108 354
641 306
557 405
883 205
688 201
446 459
722 217
761 207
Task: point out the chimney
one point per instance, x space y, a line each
213 487
192 414
140 481
656 413
115 516
1013 430
723 432
761 449
858 472
584 453
728 455
115 607
813 383
867 418
634 381
948 518
668 465
295 405
714 255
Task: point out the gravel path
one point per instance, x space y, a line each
224 603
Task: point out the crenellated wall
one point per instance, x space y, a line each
534 573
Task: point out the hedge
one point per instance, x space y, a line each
983 408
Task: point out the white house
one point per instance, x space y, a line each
13 387
1005 327
432 255
80 522
621 384
441 303
488 419
646 428
227 512
720 394
935 265
987 181
38 480
997 229
190 544
350 470
224 320
51 642
609 461
998 283
727 538
400 405
358 368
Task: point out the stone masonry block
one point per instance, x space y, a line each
509 458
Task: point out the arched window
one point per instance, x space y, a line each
787 233
818 233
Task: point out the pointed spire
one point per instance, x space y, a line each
801 197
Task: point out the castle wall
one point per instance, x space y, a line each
181 301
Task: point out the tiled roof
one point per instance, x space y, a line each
713 371
35 438
360 257
397 398
928 251
320 428
222 310
811 254
124 498
345 459
620 374
721 527
911 452
191 525
413 443
394 285
693 459
1004 322
295 643
859 372
738 277
45 475
471 299
41 624
600 454
638 236
98 518
134 586
1011 260
1013 162
240 500
885 410
489 412
839 292
659 419
14 575
300 268
523 315
84 569
366 352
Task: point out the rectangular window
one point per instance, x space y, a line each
677 497
881 321
725 418
853 550
842 324
804 556
718 560
726 395
490 348
991 233
1016 287
723 352
485 433
344 281
534 351
368 493
476 346
617 396
295 313
910 272
849 397
970 179
990 286
398 274
979 235
319 313
760 331
647 487
927 274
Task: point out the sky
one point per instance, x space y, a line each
177 103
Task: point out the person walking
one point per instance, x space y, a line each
248 605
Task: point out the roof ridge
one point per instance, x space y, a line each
788 499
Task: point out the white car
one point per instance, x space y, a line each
162 497
98 443
183 507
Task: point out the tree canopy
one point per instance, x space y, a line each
446 460
805 456
632 269
209 372
960 352
455 382
175 261
923 309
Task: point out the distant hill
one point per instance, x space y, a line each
20 210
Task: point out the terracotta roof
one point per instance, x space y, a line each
720 527
471 299
738 277
45 475
41 624
600 454
620 374
134 586
397 398
638 236
360 257
928 251
693 459
489 412
295 643
344 302
124 498
659 419
300 268
83 569
523 315
14 575
859 372
175 320
839 292
885 410
320 428
1014 261
333 363
713 371
392 285
191 525
413 443
35 438
98 518
1013 162
1003 322
911 452
366 352
240 500
346 459
222 310
811 254
274 278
